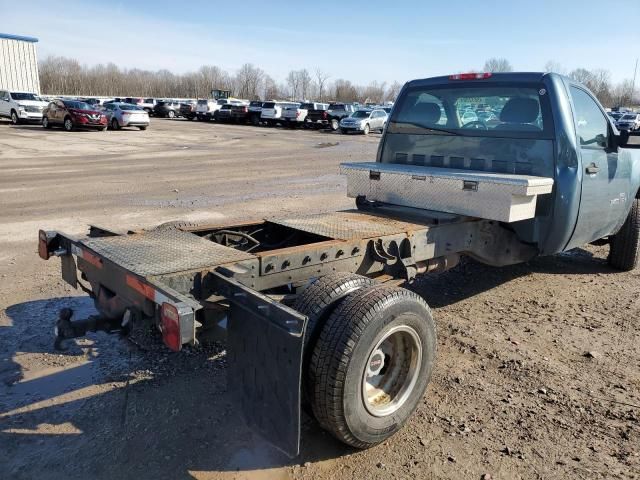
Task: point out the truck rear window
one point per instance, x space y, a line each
474 110
268 105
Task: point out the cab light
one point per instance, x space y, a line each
470 76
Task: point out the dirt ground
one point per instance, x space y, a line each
538 370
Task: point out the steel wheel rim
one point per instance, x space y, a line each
14 118
68 125
391 371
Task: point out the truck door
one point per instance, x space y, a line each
605 182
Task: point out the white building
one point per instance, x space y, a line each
18 64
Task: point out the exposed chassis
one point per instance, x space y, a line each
207 273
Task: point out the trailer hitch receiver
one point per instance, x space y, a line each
66 328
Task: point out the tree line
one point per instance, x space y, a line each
597 80
66 76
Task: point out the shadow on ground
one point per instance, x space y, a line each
106 409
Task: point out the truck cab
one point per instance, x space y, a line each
536 124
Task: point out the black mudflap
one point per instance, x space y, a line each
265 341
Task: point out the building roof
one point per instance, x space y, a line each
18 37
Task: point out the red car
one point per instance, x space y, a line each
73 114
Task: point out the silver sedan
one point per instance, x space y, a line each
125 115
364 121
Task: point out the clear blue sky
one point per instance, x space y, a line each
360 41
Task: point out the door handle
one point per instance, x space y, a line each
593 169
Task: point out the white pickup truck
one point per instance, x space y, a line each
21 106
297 116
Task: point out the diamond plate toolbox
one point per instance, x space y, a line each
494 196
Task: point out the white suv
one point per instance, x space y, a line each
207 109
21 106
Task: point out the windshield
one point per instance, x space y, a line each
255 104
77 105
361 114
268 105
222 102
628 117
25 96
126 106
336 106
306 106
474 110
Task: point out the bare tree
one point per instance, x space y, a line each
321 80
293 81
497 65
392 92
249 81
304 80
553 66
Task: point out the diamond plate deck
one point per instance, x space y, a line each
348 225
163 251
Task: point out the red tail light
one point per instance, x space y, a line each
297 114
170 326
324 114
470 76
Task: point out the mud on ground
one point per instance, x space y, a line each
538 364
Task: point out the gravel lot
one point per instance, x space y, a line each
538 371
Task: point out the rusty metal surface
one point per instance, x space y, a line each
348 225
160 252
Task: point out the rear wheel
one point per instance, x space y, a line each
15 119
335 124
171 114
371 364
45 122
624 251
142 128
68 124
114 124
366 129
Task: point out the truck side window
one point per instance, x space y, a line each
591 125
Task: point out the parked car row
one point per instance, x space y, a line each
626 120
295 114
116 113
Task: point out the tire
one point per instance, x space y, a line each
318 300
366 129
15 119
102 129
68 124
176 225
624 250
45 122
344 131
142 128
171 114
370 327
335 124
114 124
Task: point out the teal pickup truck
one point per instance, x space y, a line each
497 167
